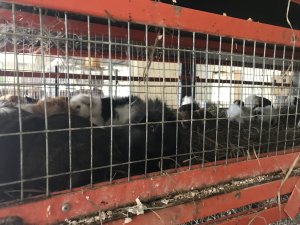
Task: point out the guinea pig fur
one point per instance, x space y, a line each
55 105
236 112
101 109
11 98
154 140
34 153
253 101
120 110
267 114
239 102
9 113
80 105
187 103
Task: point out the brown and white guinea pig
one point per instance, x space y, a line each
11 98
56 105
101 108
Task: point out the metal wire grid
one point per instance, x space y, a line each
219 70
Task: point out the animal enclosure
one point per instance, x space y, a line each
136 112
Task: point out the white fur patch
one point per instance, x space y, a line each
267 114
187 100
122 116
28 107
237 113
80 105
251 101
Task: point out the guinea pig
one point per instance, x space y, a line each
253 101
267 114
101 109
120 110
187 103
239 102
9 112
61 154
80 105
55 105
293 101
30 100
237 112
11 98
161 140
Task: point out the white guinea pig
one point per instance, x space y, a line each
80 105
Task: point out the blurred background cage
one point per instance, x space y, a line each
189 158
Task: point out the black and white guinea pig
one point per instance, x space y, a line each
239 102
267 114
187 103
101 109
159 137
120 110
58 155
253 101
293 101
237 112
30 100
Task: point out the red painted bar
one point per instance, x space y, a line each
160 14
123 193
198 209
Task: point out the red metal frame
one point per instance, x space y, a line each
84 201
198 209
104 196
160 14
25 19
293 204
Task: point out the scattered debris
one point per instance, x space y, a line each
195 195
138 209
127 220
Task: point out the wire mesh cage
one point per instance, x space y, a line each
94 101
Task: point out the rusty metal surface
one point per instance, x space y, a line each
210 206
84 201
293 205
296 1
159 14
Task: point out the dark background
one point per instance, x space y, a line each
265 11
